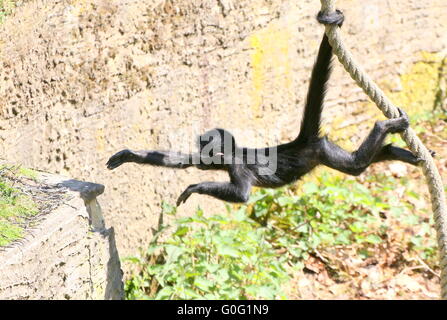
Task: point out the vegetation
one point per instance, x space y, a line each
252 251
15 208
219 257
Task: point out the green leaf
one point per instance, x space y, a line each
181 231
374 239
343 237
357 227
168 209
173 252
227 251
310 187
135 260
164 293
284 201
203 284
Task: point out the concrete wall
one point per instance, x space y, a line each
82 79
68 253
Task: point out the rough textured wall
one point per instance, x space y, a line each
82 79
68 254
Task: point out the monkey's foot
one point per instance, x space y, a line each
401 123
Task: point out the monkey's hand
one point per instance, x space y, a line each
119 158
185 194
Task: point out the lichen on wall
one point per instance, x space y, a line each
270 58
420 83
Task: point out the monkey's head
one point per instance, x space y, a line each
217 148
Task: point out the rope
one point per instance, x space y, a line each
431 173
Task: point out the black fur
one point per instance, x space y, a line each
252 167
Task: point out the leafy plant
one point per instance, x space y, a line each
220 257
336 211
15 208
252 250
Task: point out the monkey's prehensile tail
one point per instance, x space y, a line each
310 125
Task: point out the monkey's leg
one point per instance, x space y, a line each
370 150
157 158
226 191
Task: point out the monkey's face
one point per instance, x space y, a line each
216 149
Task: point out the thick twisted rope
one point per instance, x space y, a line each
431 173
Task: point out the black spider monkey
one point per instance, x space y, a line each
250 167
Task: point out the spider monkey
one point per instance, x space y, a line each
250 167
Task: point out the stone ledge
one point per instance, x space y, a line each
70 254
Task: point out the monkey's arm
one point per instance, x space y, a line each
235 191
156 158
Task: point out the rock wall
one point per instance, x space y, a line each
68 254
82 79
